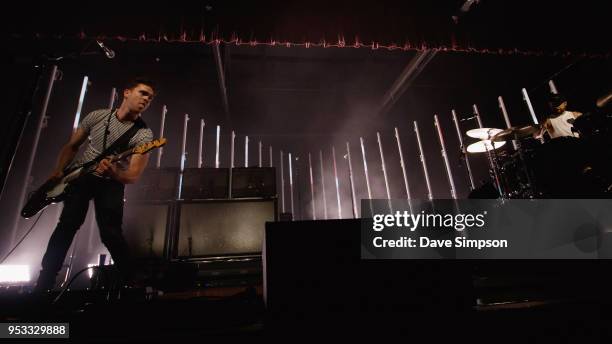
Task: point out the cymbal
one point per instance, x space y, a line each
483 146
483 133
515 133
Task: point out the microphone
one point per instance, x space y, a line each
107 51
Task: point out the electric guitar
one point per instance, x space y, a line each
55 191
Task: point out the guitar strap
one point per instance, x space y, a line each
122 141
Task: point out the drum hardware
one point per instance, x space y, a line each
552 169
485 145
518 134
511 173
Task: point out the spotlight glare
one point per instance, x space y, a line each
14 273
90 270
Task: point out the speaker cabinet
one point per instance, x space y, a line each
222 228
145 228
253 182
205 183
155 184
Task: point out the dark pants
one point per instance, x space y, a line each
108 201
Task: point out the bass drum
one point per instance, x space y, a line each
561 170
596 133
513 174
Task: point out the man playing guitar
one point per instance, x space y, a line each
106 129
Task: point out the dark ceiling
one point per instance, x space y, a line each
530 25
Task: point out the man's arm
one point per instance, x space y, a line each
546 126
69 150
138 163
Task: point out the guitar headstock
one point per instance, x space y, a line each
144 148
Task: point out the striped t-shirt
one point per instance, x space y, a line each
94 124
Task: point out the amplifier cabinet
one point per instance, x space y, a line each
205 183
253 182
155 184
146 228
221 228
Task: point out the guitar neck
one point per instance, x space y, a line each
123 155
142 149
115 158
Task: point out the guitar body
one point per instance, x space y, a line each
52 191
55 191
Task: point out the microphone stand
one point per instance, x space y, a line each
18 124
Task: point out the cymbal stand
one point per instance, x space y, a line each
492 156
519 149
492 165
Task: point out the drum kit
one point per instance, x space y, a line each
509 171
532 168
